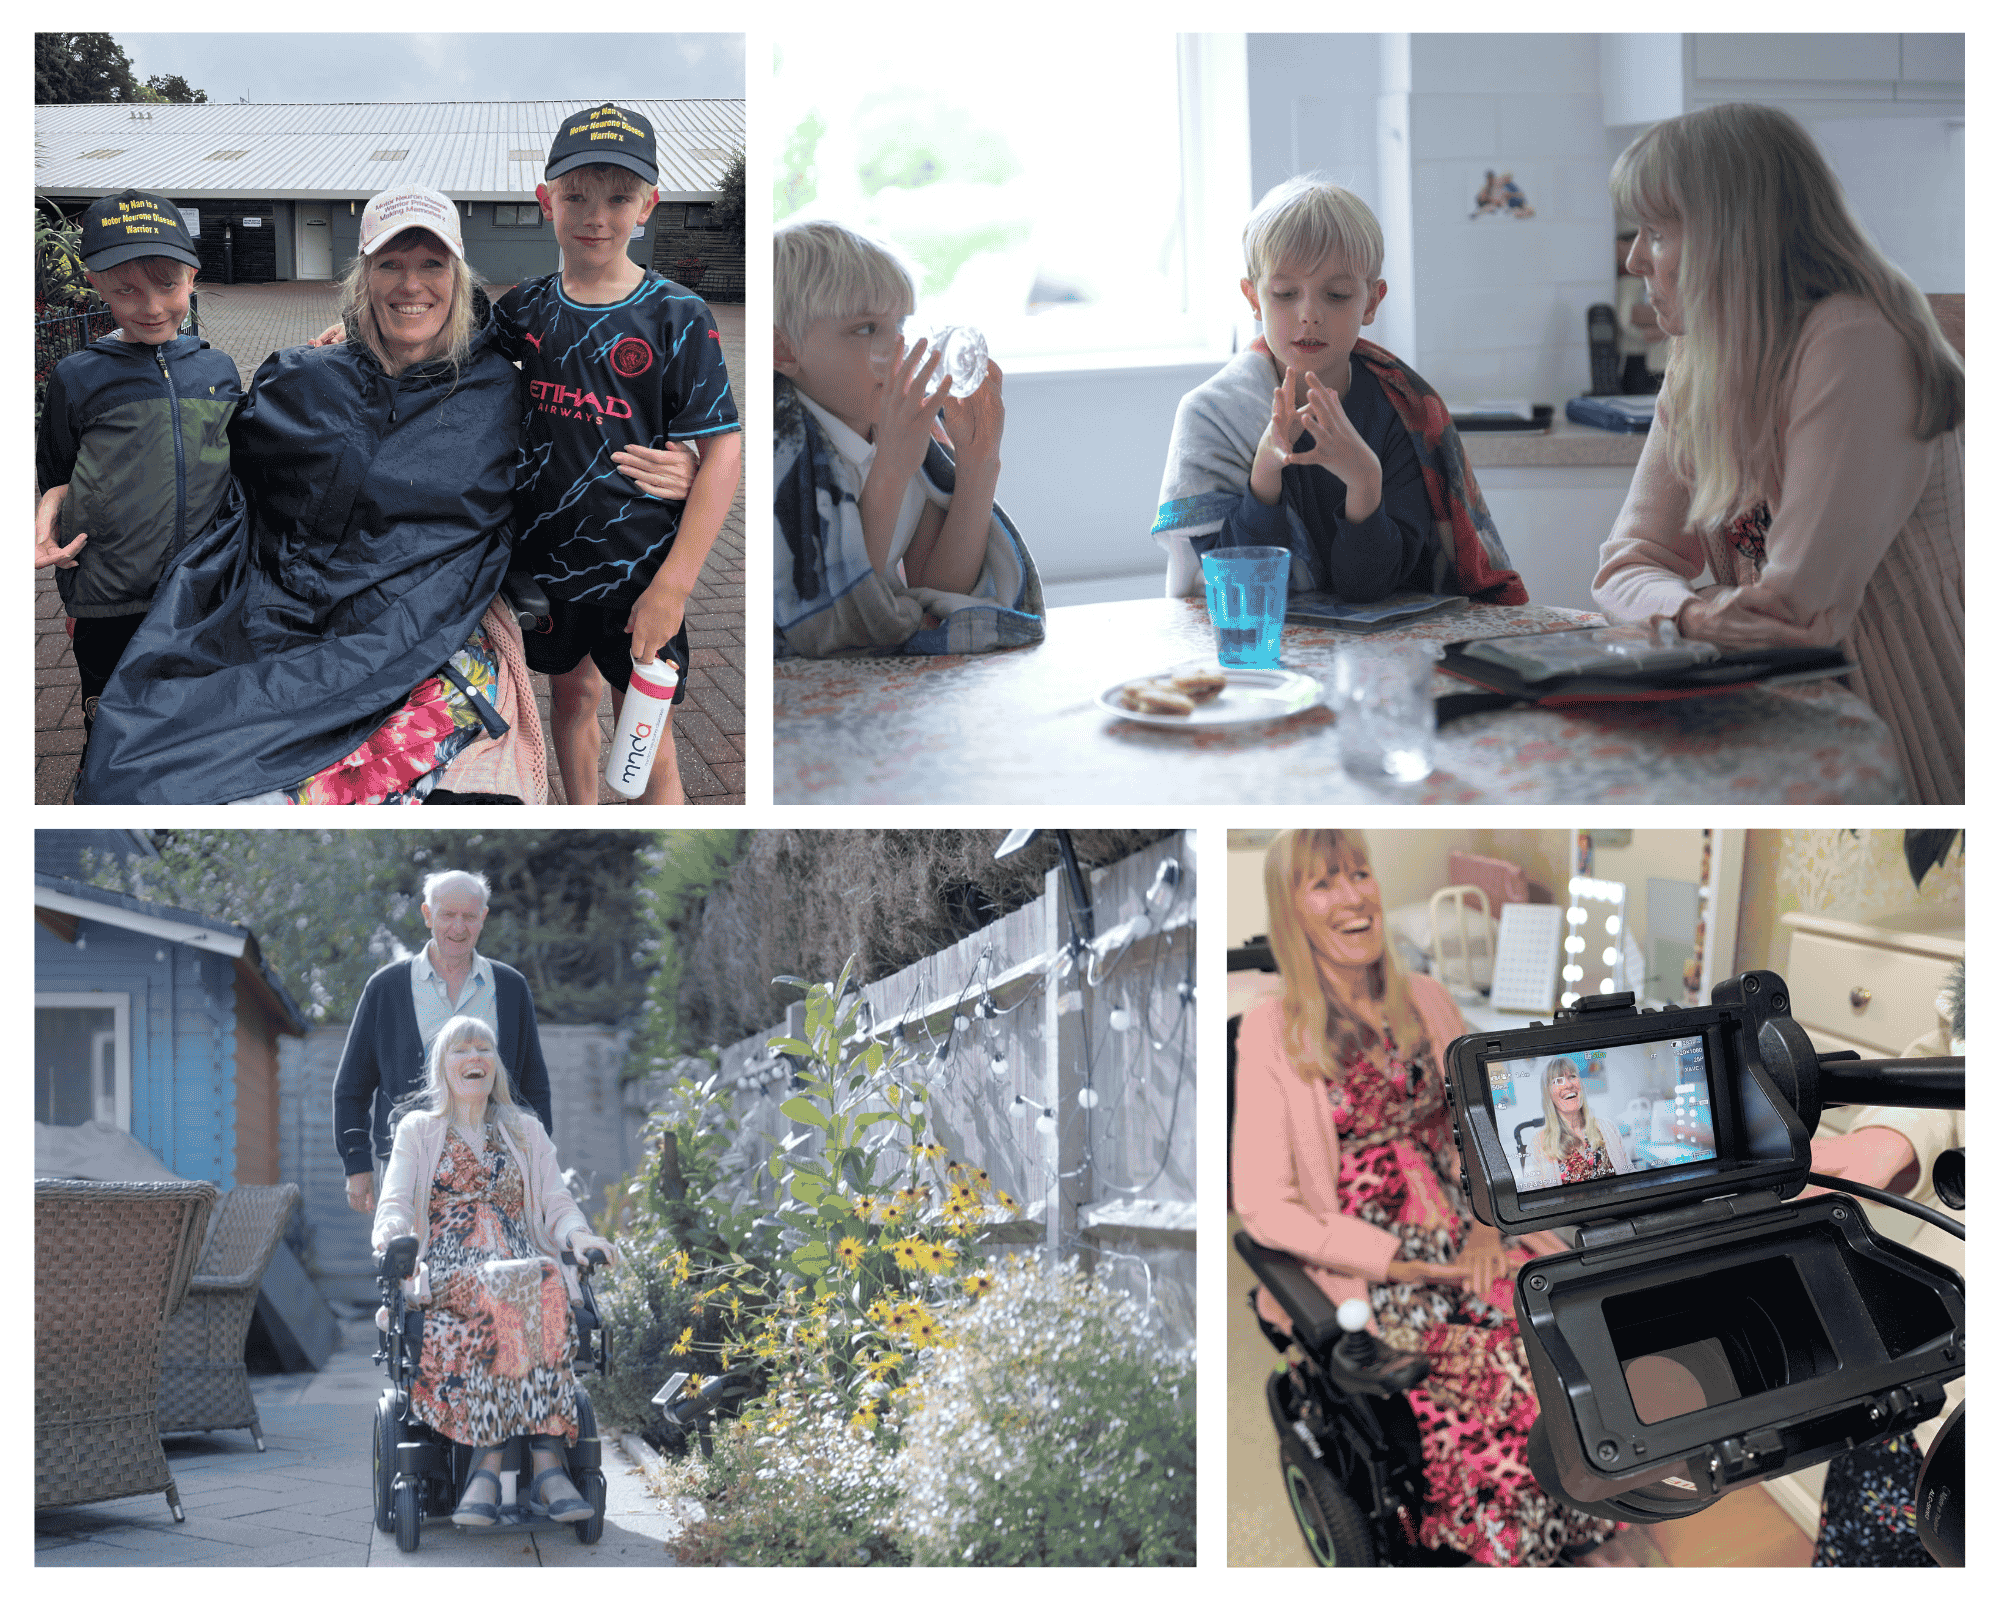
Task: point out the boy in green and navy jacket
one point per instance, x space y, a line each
133 448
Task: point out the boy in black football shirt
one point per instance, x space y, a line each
614 356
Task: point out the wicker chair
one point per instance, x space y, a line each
203 1384
112 1263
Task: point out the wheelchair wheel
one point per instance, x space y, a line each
1335 1531
592 1489
409 1518
385 1464
586 1461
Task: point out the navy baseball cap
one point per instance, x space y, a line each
607 134
123 227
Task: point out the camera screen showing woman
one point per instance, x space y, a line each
1596 1114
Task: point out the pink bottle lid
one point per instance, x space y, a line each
647 675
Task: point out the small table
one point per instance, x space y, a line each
1024 725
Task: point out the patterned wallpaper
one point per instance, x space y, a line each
1859 875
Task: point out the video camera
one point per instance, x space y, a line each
1703 1334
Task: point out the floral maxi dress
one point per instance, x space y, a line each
497 1339
1475 1409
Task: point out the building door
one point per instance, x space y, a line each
315 242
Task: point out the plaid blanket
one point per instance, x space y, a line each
829 598
1215 439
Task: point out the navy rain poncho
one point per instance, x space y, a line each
372 530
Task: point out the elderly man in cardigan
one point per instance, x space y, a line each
403 1008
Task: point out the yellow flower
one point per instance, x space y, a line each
694 1384
864 1207
685 1342
900 1319
964 1227
980 1180
925 1333
936 1257
931 1150
880 1308
863 1420
849 1252
962 1195
1007 1200
892 1213
977 1283
885 1364
912 1194
955 1171
907 1253
736 1305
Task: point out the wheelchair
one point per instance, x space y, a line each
1348 1443
420 1473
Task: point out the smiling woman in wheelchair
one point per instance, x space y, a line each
476 1181
1343 1157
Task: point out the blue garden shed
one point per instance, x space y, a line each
161 1022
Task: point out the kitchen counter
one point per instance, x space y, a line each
1566 445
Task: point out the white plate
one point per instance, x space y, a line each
1252 695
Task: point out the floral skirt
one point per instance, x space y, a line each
1475 1409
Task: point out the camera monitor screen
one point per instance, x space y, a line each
1588 1114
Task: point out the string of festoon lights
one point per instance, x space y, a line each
958 1039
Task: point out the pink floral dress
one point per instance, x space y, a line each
1475 1409
497 1339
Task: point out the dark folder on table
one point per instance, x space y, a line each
1375 616
1504 685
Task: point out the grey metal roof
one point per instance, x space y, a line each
465 148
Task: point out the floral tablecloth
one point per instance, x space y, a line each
1024 725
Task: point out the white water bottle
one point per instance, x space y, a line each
648 699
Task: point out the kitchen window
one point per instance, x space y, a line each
1068 202
517 216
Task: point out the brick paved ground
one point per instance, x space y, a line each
250 321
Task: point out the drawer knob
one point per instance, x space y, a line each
1858 997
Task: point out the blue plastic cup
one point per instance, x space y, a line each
1246 602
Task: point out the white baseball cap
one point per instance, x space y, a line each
393 210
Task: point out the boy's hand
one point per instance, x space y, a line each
903 425
337 334
47 552
974 424
1336 444
655 619
664 474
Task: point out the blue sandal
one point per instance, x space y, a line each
478 1513
572 1508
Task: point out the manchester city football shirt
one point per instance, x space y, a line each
642 371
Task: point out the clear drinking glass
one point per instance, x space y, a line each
1388 720
964 350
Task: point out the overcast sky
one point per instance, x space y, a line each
444 66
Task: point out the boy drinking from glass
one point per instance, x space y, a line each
1320 442
886 541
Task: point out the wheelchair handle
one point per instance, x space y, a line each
399 1260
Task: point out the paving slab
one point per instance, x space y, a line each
250 321
307 1499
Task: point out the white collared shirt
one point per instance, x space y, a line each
476 996
858 455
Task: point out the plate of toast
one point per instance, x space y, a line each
1201 694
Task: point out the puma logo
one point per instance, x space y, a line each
533 339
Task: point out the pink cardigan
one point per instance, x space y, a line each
1285 1158
1866 544
551 1214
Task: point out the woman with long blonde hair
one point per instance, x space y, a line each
1808 450
1343 1156
1571 1146
476 1180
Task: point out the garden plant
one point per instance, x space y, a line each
850 1265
